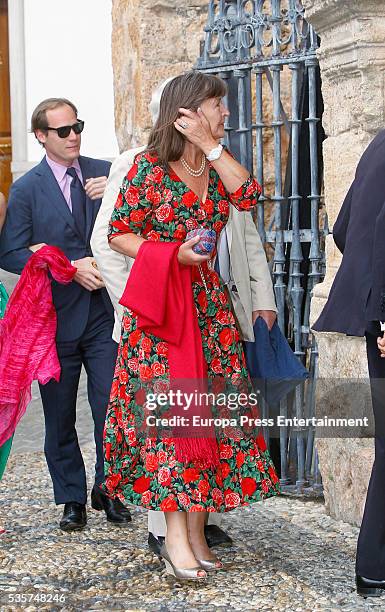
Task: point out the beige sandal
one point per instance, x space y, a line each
211 565
188 573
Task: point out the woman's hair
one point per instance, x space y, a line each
39 115
185 91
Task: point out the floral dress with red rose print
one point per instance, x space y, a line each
143 470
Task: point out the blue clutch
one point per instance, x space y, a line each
272 365
207 241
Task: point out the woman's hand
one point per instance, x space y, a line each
197 131
187 256
196 128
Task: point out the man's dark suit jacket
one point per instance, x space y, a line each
38 212
358 292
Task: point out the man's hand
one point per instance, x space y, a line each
36 247
95 187
381 346
88 275
269 316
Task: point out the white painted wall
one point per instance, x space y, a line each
68 53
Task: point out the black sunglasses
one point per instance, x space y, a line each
65 130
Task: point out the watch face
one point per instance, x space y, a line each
215 153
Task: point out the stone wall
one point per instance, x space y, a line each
151 40
352 60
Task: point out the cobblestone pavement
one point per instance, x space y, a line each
288 555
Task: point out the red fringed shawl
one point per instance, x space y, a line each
159 291
27 335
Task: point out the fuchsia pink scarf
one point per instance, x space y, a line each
159 291
27 335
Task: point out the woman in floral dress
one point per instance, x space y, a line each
171 189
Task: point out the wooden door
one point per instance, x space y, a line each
5 106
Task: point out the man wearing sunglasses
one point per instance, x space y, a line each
56 203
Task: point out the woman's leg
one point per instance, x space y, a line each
177 540
196 526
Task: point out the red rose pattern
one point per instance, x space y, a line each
144 470
146 497
169 505
151 463
164 213
164 477
184 499
190 475
142 484
248 486
204 487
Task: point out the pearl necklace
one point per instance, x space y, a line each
190 170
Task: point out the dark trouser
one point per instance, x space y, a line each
96 350
371 542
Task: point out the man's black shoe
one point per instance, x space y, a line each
369 588
155 544
215 536
115 511
74 517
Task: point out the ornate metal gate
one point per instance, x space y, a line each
266 52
